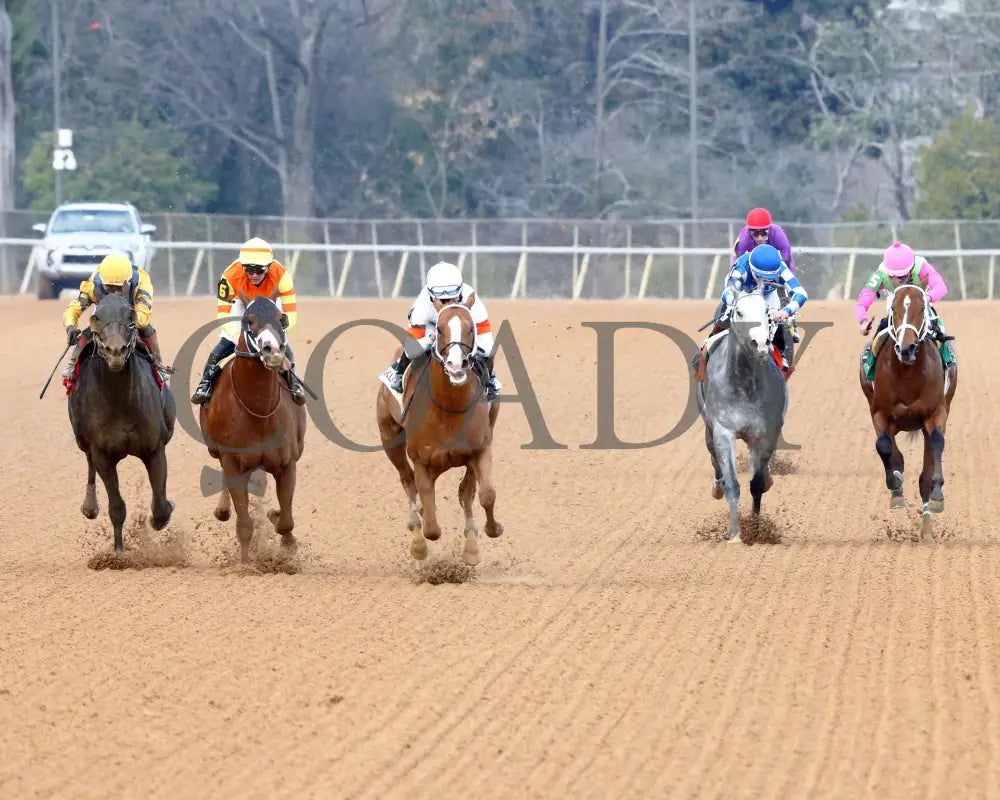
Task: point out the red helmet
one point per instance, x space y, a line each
759 218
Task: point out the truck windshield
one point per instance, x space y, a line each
98 221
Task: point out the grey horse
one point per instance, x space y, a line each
743 396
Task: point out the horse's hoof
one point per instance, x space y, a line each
471 558
927 527
768 481
897 501
717 492
737 539
496 531
418 551
937 506
221 514
272 516
432 534
89 513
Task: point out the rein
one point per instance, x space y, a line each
253 351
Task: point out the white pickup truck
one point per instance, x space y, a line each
77 238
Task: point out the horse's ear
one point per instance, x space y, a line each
251 320
94 321
470 300
923 283
284 320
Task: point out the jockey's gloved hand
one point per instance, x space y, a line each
72 334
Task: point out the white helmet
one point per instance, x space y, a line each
444 281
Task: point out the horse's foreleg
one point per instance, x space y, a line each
397 455
885 446
156 468
482 466
285 489
466 494
89 509
430 528
107 468
934 441
760 458
238 485
717 492
725 455
223 507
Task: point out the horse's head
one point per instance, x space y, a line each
751 323
113 325
456 340
909 319
264 331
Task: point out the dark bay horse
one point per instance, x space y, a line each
252 422
743 396
117 409
911 392
448 423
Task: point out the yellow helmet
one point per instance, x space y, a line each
115 270
256 252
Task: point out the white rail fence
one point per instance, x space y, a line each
578 272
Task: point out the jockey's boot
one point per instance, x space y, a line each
153 345
794 330
395 375
781 342
74 356
211 371
493 386
294 385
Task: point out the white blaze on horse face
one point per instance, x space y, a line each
266 337
454 359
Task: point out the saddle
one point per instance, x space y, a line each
713 341
88 352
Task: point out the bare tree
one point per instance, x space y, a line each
248 69
880 90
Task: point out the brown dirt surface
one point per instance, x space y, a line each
608 645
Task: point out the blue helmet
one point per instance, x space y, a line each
765 262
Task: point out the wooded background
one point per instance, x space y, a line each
822 110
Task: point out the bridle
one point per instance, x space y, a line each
772 325
466 364
466 350
130 339
254 351
253 347
896 332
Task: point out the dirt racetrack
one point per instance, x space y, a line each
607 646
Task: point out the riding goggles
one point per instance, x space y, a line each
255 269
445 292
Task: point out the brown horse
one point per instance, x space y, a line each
447 423
911 392
252 423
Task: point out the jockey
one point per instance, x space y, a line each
444 286
116 273
760 229
900 266
763 267
254 274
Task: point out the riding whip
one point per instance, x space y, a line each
46 386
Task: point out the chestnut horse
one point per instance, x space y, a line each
447 423
252 422
911 392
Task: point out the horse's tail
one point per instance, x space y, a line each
911 435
